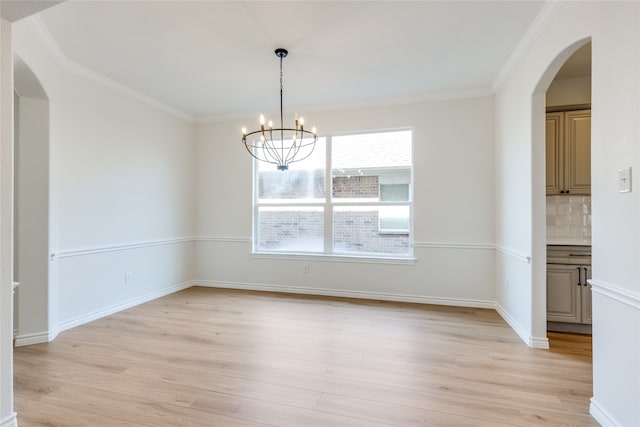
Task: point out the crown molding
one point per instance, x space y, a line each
550 7
424 98
37 25
543 17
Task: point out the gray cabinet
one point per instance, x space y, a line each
568 293
564 293
586 297
568 152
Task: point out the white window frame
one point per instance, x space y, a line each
329 204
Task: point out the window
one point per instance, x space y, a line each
366 210
394 219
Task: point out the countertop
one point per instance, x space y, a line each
567 241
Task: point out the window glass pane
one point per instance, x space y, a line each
303 181
394 192
291 229
358 187
356 230
361 163
394 219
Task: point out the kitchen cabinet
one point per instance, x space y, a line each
568 293
586 297
568 152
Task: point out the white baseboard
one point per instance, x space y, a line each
538 342
601 415
458 302
35 338
533 342
86 318
10 421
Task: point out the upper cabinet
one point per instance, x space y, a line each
568 151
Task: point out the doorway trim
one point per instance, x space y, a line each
538 190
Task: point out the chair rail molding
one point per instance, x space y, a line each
119 247
453 245
513 253
223 239
616 293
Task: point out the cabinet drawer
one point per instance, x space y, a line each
571 255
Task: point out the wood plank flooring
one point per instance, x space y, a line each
209 357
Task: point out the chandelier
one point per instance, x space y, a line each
280 146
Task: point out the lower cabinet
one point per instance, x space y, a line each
568 293
586 296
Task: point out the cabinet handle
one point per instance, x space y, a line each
585 277
567 191
579 276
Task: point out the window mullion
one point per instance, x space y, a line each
256 208
328 207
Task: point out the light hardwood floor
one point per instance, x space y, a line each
207 357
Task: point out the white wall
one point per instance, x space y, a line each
7 416
569 92
121 193
453 210
614 30
31 221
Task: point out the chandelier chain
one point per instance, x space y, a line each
281 111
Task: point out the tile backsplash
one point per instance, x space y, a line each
569 217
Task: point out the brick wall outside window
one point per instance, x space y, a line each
358 232
282 230
361 187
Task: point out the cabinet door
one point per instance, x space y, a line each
554 153
577 176
586 297
563 293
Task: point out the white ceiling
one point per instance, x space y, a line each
14 10
215 58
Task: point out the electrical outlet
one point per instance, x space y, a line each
127 277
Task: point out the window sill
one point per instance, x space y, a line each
365 259
393 232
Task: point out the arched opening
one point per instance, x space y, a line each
539 191
31 207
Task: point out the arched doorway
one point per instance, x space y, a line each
539 226
31 207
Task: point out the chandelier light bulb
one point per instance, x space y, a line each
313 130
244 130
271 124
